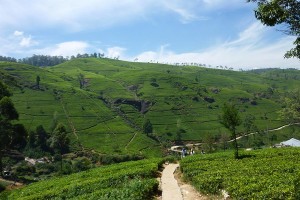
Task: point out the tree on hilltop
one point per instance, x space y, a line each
287 12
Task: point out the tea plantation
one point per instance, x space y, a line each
259 174
131 180
103 101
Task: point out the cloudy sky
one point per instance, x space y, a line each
215 32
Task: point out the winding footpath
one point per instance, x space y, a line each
170 188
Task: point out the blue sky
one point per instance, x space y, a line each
212 32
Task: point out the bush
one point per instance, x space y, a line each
24 169
82 164
2 187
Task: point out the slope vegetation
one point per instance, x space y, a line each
105 102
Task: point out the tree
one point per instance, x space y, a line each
81 80
287 12
60 140
10 135
7 109
147 127
42 137
291 111
38 79
230 119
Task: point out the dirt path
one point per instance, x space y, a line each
173 188
178 148
169 185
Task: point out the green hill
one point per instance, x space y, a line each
105 102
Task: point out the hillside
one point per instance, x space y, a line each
105 102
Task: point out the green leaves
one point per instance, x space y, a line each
287 12
130 180
230 117
7 109
264 174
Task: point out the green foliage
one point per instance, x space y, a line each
261 174
10 135
147 127
7 109
60 139
130 180
2 187
275 12
178 103
291 111
230 119
4 90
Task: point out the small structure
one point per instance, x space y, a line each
291 143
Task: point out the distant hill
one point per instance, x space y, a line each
105 102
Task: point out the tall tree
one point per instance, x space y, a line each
60 140
38 79
147 127
287 12
42 137
9 134
230 119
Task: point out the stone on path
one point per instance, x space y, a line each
170 188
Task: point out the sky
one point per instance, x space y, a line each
211 32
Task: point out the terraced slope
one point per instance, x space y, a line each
105 102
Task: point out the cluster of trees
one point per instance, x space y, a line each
43 60
40 142
46 60
12 135
15 136
8 59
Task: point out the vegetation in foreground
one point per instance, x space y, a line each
259 174
131 180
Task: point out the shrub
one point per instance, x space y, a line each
2 187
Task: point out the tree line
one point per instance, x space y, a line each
47 60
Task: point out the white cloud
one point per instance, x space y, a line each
16 43
79 15
221 4
115 52
66 49
27 42
18 33
247 51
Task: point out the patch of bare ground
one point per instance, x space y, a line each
12 184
